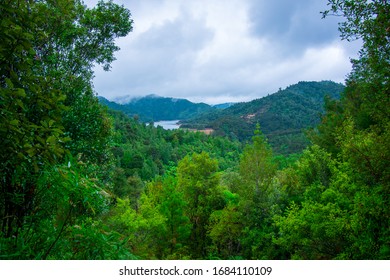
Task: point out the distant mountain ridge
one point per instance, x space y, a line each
283 116
224 105
126 99
157 108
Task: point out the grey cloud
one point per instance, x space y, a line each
169 50
292 25
182 34
158 58
193 50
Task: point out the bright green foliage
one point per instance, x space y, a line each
69 201
173 207
142 228
361 132
256 166
158 227
146 151
198 181
247 217
257 170
314 167
336 213
257 196
367 153
317 224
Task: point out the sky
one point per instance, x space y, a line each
217 51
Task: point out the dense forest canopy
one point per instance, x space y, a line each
284 116
79 181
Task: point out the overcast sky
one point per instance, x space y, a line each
217 51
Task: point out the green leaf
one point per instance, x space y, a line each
14 122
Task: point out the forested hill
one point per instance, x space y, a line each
157 108
283 116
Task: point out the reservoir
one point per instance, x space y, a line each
168 124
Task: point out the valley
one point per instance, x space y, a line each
284 116
302 173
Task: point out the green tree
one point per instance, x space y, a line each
367 153
47 53
256 166
317 223
198 180
315 231
178 224
366 99
31 130
225 229
337 210
142 228
361 136
259 198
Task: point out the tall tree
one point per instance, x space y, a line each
173 208
367 96
257 170
198 181
47 53
256 165
356 129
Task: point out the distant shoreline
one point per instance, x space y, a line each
169 125
175 124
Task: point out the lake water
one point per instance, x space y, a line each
168 124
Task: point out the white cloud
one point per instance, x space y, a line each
219 51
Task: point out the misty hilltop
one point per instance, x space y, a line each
283 115
156 108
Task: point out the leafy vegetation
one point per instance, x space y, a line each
79 181
284 116
54 161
